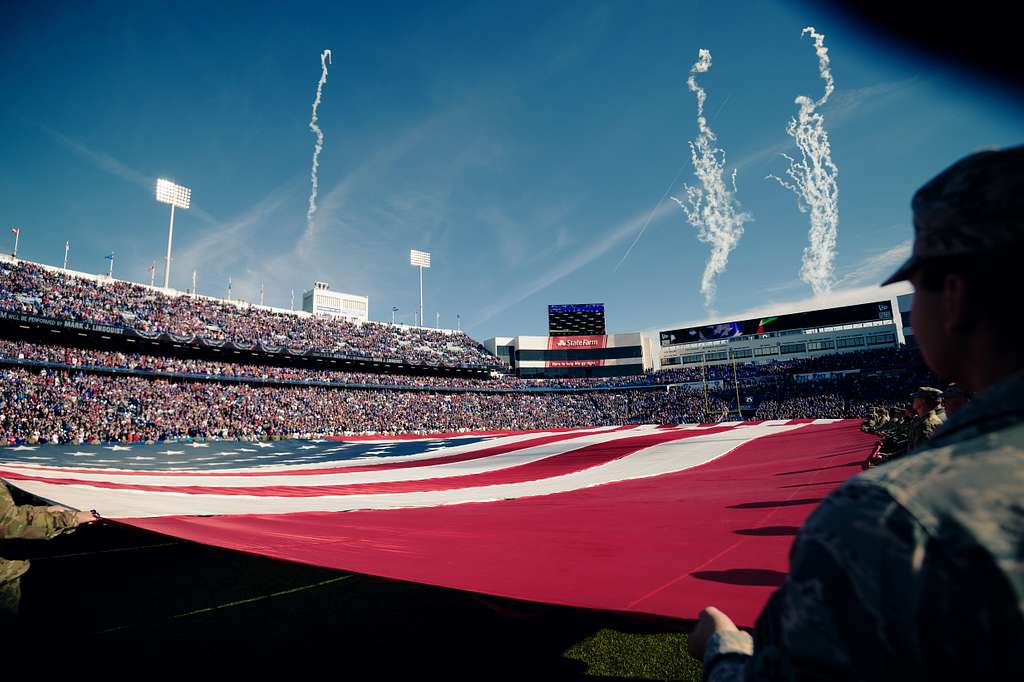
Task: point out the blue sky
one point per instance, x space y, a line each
523 144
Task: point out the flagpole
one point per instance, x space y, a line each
193 282
110 270
17 236
152 273
704 378
67 247
736 381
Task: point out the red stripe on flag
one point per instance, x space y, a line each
556 465
669 545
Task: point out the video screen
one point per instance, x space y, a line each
863 312
576 319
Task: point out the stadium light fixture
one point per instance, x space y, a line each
420 259
178 196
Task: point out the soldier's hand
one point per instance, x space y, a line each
85 517
710 621
57 508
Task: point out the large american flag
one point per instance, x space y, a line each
632 518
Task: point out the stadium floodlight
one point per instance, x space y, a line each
420 259
176 195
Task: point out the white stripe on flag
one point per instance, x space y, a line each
657 460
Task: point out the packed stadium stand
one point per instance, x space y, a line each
50 295
83 360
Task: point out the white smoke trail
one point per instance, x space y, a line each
813 178
325 59
711 208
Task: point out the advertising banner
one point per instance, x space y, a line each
574 363
576 342
569 344
822 376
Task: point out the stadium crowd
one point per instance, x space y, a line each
69 405
31 289
79 398
870 363
56 406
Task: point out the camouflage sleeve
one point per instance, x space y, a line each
835 617
726 655
28 522
928 428
872 595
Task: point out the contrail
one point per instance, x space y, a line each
712 207
325 59
813 178
643 228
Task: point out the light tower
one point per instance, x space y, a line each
168 192
420 259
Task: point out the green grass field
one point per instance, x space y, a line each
128 594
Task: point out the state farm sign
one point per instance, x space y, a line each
576 342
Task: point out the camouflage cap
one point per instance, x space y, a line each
954 391
927 392
973 207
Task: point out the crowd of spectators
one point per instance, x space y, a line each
78 397
31 289
749 375
58 406
71 406
846 395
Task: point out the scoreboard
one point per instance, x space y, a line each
576 319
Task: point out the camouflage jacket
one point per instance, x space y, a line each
913 570
28 523
913 434
922 428
874 422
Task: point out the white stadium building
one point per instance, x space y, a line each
791 332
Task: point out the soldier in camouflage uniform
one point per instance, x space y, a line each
883 418
28 522
873 421
895 424
954 398
914 431
915 570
